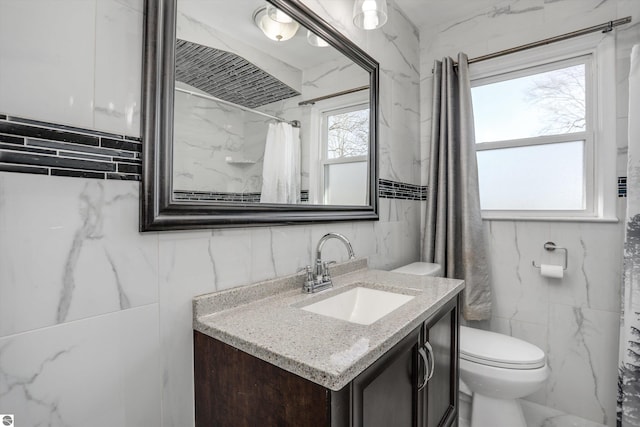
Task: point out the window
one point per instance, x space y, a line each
345 147
541 152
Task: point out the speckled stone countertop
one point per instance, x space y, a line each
264 320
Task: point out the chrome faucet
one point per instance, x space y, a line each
318 277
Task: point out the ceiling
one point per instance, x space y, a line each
437 12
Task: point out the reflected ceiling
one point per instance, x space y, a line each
237 21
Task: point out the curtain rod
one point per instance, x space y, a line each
294 123
333 95
605 28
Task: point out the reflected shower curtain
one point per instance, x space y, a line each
281 166
629 366
454 236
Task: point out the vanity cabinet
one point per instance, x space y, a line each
233 388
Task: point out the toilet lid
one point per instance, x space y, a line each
499 350
420 269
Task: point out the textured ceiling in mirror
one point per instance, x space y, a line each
227 76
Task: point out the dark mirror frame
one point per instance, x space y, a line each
157 209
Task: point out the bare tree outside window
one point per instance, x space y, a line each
560 96
348 134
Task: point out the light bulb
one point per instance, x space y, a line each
370 21
369 5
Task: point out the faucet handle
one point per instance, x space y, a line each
308 270
308 281
326 276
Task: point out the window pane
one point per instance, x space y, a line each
348 134
547 103
345 183
538 177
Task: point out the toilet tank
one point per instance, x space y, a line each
420 269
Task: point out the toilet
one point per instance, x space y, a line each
495 369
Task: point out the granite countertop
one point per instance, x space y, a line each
264 320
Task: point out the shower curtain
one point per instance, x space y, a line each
629 365
454 236
281 166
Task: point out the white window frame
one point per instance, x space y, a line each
598 53
319 114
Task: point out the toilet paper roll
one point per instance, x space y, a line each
554 271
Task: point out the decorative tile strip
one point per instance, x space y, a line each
622 186
397 190
216 196
31 146
227 197
388 189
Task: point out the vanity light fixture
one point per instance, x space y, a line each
370 14
278 15
278 31
315 41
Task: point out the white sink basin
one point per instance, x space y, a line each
359 305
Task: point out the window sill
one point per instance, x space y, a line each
612 220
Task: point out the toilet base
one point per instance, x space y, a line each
491 412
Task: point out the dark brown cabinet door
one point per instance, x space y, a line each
386 393
235 389
440 395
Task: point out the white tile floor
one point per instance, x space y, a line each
540 416
543 416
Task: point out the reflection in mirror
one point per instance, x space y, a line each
264 121
253 122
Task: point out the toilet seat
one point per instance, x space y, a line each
498 350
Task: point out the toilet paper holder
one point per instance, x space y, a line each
550 246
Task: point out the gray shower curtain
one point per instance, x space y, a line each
629 366
453 232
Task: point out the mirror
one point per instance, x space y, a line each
244 130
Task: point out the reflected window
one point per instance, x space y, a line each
345 149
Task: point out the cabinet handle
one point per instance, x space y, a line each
432 360
423 381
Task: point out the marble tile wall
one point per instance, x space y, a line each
206 133
95 317
80 68
576 319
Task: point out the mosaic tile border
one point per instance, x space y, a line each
216 196
31 146
226 196
388 189
622 186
